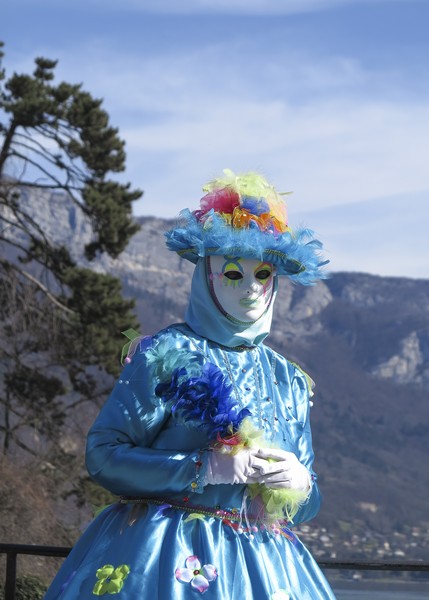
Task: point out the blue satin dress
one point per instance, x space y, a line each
171 537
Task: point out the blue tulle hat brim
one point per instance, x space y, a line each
296 254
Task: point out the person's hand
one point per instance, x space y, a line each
282 469
242 467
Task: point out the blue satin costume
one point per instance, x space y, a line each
137 449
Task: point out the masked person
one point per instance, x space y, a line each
206 436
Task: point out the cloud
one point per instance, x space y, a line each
316 125
329 154
383 236
333 128
311 124
246 7
227 7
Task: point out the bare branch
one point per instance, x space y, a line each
50 176
39 285
22 223
44 153
17 441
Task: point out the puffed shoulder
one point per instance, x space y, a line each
305 378
163 354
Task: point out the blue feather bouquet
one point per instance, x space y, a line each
204 400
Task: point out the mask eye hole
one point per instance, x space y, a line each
233 275
263 274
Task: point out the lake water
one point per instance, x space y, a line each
402 594
421 592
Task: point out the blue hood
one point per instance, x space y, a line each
207 320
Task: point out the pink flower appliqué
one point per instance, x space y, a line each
196 575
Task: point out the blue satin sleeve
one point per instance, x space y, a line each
121 451
303 444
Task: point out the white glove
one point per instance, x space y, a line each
224 467
285 472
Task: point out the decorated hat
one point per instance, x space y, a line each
244 215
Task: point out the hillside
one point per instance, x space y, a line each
365 341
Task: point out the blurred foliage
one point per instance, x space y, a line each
27 587
57 318
60 320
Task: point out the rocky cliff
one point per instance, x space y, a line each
364 340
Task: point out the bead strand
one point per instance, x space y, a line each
196 484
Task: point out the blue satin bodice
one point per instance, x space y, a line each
136 447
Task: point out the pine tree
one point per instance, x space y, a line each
60 322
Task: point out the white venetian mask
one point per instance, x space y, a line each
241 287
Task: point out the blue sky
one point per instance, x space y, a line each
329 99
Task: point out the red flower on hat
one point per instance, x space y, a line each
221 201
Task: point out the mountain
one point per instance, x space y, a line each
364 339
